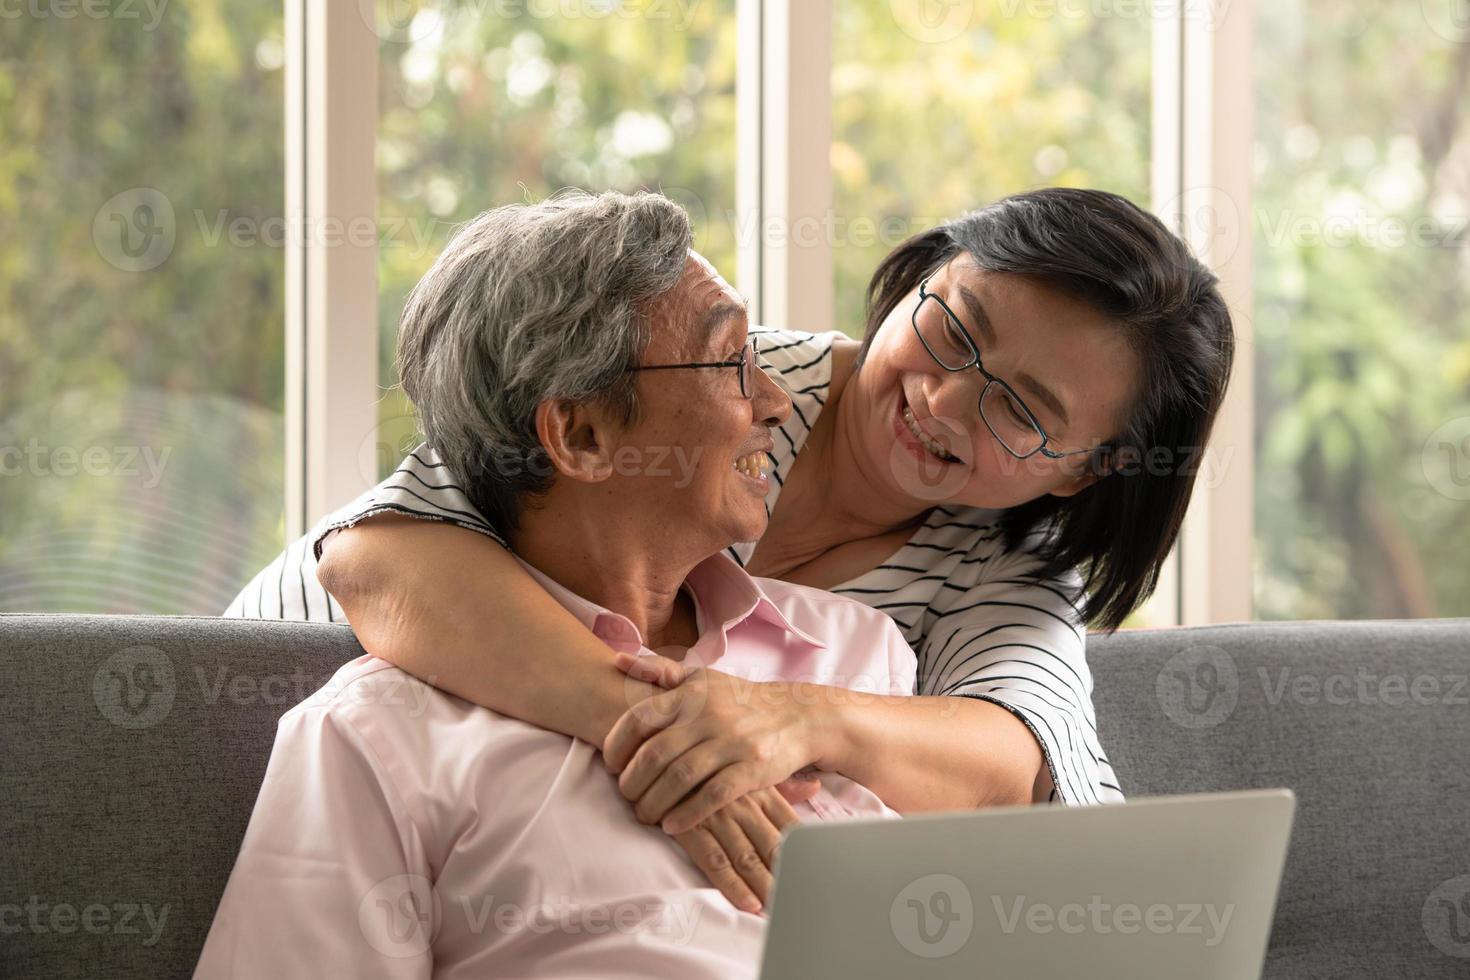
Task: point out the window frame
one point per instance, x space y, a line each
331 267
1203 134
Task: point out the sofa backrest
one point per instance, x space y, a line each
133 748
1368 723
133 751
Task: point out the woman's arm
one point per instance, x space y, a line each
728 735
1004 714
455 609
933 753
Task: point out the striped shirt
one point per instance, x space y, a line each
980 621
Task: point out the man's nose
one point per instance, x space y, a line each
772 404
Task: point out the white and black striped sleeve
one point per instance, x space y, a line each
1018 642
420 487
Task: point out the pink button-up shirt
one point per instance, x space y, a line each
401 831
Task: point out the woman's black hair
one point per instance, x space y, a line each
1104 250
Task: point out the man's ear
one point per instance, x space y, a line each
576 437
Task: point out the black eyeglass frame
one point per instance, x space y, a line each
990 379
751 350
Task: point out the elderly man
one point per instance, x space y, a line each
401 831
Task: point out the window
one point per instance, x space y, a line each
1362 352
141 310
156 423
935 115
484 105
940 110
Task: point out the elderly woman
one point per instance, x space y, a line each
971 468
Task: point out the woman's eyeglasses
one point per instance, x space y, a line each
1004 413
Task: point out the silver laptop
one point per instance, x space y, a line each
1178 886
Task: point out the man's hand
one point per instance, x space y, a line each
736 847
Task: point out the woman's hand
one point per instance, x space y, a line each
709 739
736 847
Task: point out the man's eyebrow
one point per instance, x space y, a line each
981 320
718 315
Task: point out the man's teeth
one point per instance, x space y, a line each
752 465
934 448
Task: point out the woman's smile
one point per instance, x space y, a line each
913 438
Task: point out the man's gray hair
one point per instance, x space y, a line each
529 303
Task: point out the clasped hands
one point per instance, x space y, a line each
716 761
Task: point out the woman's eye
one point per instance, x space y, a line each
955 336
1016 414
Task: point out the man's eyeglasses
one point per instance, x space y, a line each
746 363
1003 411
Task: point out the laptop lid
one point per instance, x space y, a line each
1159 887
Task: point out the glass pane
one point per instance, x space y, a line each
488 104
1362 349
141 309
940 108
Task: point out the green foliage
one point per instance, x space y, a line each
1360 313
184 360
479 110
926 130
1361 347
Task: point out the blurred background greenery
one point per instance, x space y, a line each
1361 344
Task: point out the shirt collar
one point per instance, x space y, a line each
726 593
729 596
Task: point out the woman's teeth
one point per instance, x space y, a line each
752 465
935 449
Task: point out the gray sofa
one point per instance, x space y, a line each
133 747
